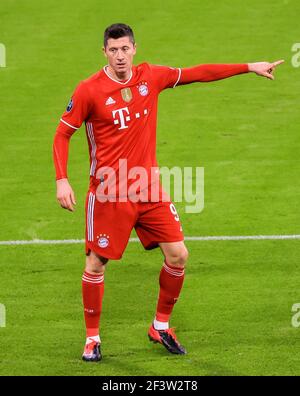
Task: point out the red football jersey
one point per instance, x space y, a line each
120 118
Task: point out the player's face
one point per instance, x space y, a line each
120 53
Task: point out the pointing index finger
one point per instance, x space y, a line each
277 63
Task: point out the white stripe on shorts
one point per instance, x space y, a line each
90 217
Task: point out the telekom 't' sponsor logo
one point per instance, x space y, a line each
122 117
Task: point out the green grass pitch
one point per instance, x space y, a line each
234 314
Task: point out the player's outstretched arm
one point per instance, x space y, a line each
214 72
264 69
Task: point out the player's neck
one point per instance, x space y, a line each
118 76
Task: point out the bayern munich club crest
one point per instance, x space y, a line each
103 241
143 89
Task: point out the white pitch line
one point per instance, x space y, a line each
188 238
242 238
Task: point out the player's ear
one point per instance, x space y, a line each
134 48
104 52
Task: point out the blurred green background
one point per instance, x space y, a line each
234 315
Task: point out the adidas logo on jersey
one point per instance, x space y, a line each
110 101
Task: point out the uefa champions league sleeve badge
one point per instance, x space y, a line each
70 106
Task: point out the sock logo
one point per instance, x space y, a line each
90 311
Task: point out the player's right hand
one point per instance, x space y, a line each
65 195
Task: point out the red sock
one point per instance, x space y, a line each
92 294
170 281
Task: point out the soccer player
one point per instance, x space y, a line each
119 107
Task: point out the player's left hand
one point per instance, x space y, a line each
264 69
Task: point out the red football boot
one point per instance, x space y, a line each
168 339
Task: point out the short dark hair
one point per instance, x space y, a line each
118 30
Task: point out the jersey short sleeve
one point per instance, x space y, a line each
78 108
164 76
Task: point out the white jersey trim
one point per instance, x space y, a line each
174 86
71 126
119 82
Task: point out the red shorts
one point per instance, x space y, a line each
109 225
